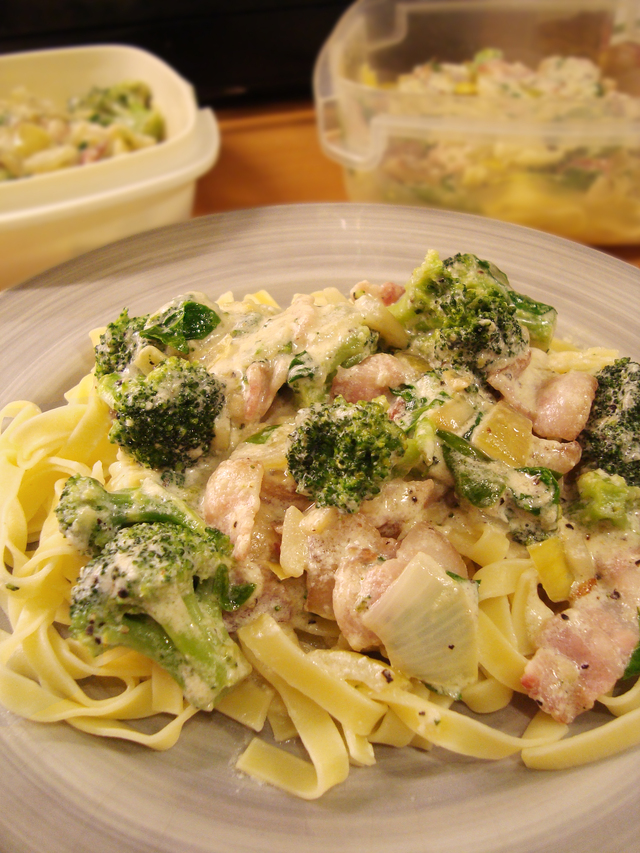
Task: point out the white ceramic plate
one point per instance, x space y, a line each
64 791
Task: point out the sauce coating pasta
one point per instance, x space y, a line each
475 562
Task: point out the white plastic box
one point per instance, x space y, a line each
564 167
49 218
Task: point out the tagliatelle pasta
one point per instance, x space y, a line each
308 678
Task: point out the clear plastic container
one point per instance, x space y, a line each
49 218
568 163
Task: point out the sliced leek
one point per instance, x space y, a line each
427 621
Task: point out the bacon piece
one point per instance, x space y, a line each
93 153
584 650
264 380
362 538
352 538
560 456
399 505
509 382
360 579
282 600
425 539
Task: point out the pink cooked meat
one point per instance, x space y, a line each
263 381
232 500
558 404
353 538
369 379
387 293
584 650
563 405
359 583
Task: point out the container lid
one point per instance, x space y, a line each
359 105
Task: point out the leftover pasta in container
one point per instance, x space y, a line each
520 112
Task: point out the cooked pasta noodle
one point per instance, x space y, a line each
306 680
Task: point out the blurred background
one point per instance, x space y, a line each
233 51
302 101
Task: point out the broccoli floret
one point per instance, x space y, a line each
463 312
90 516
147 590
605 498
611 437
128 103
340 453
157 581
182 321
527 498
119 344
165 419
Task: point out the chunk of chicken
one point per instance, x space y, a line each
388 292
232 500
558 404
399 505
374 376
352 538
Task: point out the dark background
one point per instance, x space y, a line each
232 51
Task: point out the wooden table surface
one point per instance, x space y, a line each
272 155
269 155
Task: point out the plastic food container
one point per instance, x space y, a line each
566 163
49 218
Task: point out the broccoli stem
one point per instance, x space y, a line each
89 515
539 319
202 638
140 592
140 634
